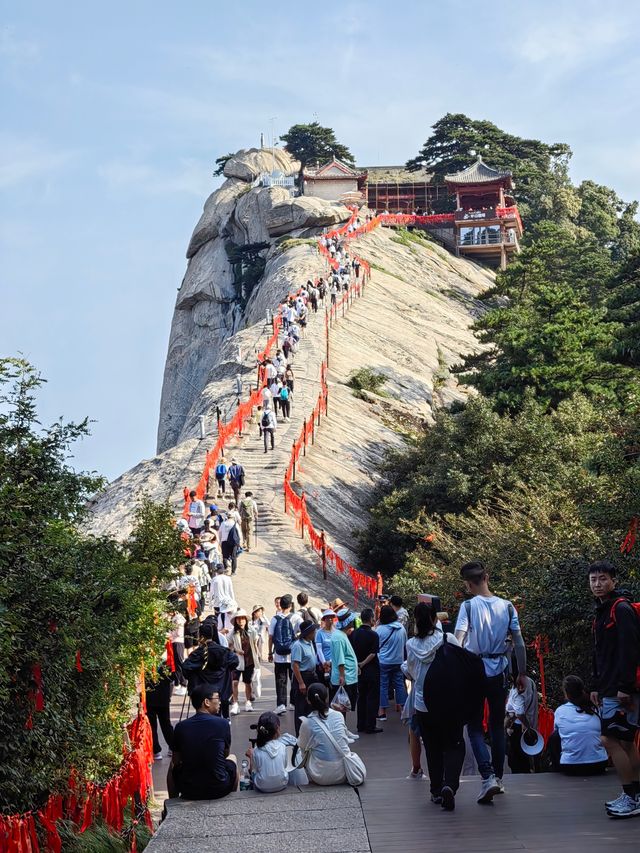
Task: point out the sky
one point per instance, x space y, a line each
113 115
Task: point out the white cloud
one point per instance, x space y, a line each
24 159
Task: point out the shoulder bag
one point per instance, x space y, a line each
354 767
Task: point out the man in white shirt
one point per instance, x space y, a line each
488 626
282 662
270 370
228 546
196 513
267 397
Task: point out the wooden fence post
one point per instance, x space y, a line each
293 456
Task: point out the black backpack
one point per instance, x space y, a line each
454 686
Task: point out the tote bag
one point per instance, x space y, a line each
354 767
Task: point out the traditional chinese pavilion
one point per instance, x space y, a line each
335 181
486 221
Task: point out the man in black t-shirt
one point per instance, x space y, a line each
201 766
365 644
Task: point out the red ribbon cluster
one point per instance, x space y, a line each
629 541
18 832
540 646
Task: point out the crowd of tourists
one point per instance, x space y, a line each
343 674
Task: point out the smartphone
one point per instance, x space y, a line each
432 600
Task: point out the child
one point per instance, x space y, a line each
269 758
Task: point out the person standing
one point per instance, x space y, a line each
236 479
211 664
176 638
196 513
243 641
304 660
323 640
222 597
282 634
259 622
401 611
307 611
221 476
229 535
158 697
269 425
285 403
443 739
616 657
344 664
249 519
485 625
365 644
393 639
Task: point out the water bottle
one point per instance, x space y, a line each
245 778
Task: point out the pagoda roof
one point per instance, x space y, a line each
478 173
333 170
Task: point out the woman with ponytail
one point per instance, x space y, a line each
269 757
323 761
577 733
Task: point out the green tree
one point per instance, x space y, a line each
624 312
311 143
548 332
78 614
221 162
538 169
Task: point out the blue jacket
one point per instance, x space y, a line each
393 639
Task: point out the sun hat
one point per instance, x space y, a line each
531 742
238 613
327 613
256 607
346 620
337 603
306 627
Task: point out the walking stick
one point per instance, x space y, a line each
184 699
255 533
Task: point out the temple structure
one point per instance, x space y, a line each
486 221
335 181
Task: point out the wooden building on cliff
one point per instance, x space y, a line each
486 221
335 181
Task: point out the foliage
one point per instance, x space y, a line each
624 311
366 379
312 143
548 333
248 264
67 602
99 838
221 162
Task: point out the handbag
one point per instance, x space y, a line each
354 766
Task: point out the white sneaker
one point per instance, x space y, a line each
179 691
418 775
235 708
628 807
281 709
489 789
157 756
500 784
615 802
292 707
248 706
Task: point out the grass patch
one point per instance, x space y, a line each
408 238
386 271
367 379
283 244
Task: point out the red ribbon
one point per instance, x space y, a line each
78 661
171 661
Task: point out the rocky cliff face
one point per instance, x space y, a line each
211 305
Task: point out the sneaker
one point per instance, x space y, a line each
281 709
179 691
627 807
448 799
615 802
235 708
489 790
416 774
248 706
500 784
381 717
157 756
436 799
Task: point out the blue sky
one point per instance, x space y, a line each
114 114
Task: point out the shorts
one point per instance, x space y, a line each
414 725
618 721
245 675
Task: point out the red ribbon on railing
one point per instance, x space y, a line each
629 541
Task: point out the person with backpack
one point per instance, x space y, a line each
306 611
230 539
248 519
236 479
269 425
393 639
221 476
616 684
285 402
365 642
443 739
488 626
282 635
213 665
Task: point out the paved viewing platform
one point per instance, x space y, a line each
539 812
